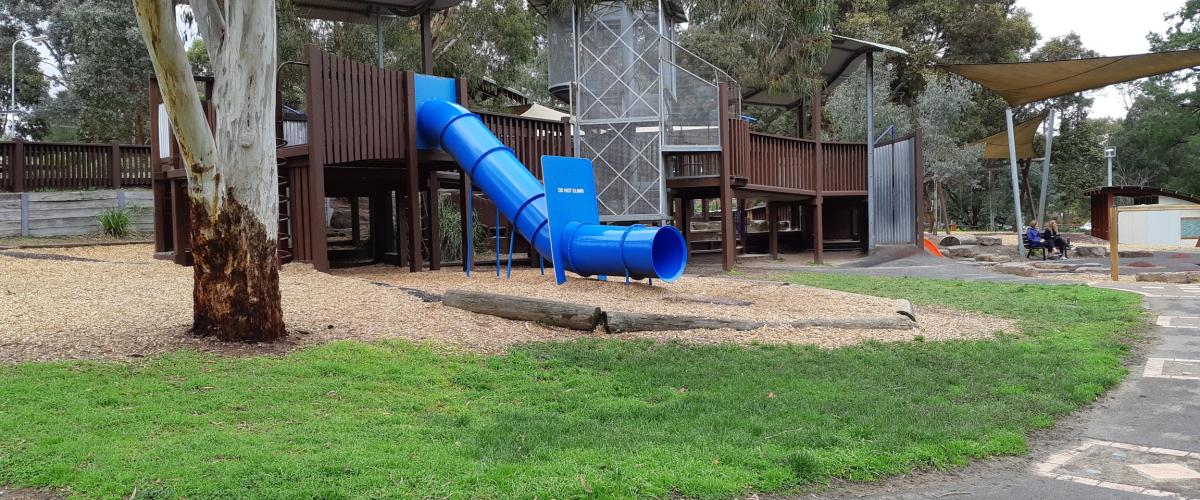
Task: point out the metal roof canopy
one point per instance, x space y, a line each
1135 191
366 11
673 9
995 146
845 55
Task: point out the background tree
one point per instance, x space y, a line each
32 86
100 63
1158 143
232 191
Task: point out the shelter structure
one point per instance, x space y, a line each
1028 82
1154 222
664 129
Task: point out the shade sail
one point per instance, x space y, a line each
995 146
1026 82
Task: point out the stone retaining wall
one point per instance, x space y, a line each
62 213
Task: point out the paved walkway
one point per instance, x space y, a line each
1141 441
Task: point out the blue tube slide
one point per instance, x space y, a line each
590 249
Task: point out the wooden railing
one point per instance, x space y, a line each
530 138
774 161
845 166
30 166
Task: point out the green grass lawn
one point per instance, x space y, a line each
593 418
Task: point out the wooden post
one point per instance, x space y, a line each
1113 241
818 216
427 44
355 226
18 165
181 237
726 188
685 223
114 165
413 179
464 203
773 229
435 235
315 184
568 139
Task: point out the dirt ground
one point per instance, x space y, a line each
118 302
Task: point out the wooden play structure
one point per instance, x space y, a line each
361 143
691 160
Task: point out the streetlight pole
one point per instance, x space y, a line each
12 77
1109 154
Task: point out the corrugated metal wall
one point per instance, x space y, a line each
893 193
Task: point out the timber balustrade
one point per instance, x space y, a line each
32 166
530 138
775 162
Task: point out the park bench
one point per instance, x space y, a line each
1029 249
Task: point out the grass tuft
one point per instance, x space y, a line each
116 222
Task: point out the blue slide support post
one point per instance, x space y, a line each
584 246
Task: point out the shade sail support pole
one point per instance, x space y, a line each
1041 218
1018 224
870 150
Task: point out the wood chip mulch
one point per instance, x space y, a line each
118 302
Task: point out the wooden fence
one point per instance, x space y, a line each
33 166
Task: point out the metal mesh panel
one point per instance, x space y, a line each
691 115
560 36
618 63
626 159
617 107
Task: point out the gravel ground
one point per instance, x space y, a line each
118 302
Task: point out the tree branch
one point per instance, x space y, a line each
156 19
210 20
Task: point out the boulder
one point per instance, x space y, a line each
961 251
1091 251
989 241
1177 277
989 257
1018 269
341 219
952 241
1135 253
1056 266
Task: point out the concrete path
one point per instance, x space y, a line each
1141 441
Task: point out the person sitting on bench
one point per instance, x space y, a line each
1035 237
1051 235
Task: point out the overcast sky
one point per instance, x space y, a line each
1110 27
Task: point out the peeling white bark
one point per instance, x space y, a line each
240 160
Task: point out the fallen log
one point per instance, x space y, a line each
619 322
547 312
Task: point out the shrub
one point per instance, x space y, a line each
450 227
116 222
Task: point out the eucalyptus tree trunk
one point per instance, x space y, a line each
232 189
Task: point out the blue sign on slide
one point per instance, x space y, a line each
570 197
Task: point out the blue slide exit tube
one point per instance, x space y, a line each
590 249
